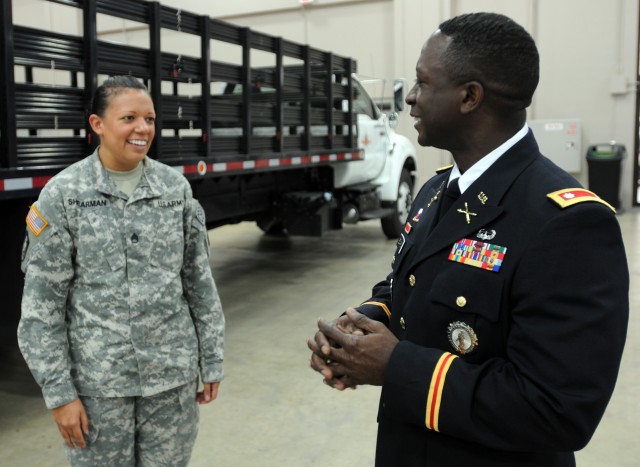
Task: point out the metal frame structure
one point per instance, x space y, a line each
306 96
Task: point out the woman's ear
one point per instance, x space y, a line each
472 96
96 124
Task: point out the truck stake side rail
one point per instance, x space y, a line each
296 113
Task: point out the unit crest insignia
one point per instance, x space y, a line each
462 337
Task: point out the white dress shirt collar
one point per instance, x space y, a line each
480 167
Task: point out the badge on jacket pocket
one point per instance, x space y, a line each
462 337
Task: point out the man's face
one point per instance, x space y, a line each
433 98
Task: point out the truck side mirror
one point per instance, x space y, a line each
393 119
398 95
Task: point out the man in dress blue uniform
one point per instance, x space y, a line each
498 334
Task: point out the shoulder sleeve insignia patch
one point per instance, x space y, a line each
444 169
35 221
570 196
200 215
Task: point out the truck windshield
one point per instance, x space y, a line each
363 103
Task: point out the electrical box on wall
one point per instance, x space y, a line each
561 141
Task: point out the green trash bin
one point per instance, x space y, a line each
605 167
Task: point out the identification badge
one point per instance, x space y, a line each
478 254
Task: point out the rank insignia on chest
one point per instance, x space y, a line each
478 254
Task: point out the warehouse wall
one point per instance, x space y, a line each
588 50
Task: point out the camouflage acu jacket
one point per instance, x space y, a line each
119 299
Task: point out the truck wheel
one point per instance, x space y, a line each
392 225
271 226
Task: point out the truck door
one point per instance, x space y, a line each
372 138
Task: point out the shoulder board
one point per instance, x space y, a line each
570 196
444 169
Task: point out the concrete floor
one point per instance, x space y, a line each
272 409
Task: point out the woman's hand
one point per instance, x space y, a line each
72 423
208 394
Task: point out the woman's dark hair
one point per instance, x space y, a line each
497 52
113 86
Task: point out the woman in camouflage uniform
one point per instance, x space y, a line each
120 310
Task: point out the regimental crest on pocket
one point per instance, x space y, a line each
462 337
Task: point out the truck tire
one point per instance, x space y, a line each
392 225
272 226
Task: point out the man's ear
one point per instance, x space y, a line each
96 124
472 96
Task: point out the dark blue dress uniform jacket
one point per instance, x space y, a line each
542 336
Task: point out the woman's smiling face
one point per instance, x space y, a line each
126 129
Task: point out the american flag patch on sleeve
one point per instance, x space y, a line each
35 221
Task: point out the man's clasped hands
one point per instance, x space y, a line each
351 350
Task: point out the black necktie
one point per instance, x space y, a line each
451 194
